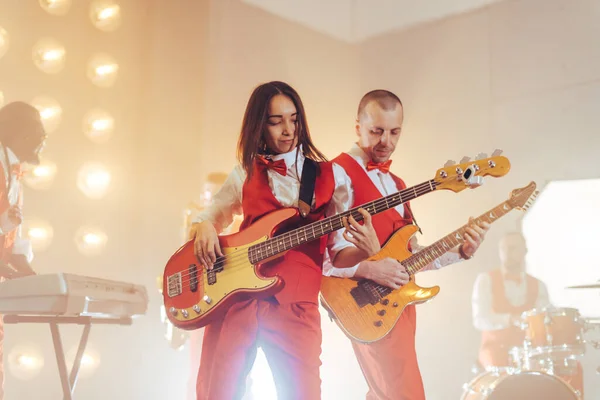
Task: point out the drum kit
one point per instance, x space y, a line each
544 365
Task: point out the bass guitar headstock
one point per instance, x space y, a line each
470 174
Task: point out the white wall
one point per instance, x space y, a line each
520 75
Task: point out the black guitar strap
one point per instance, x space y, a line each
307 186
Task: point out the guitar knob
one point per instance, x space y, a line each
381 312
385 302
196 308
378 323
207 299
184 313
395 304
173 311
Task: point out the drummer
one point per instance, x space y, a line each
500 297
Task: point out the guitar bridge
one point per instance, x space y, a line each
174 285
364 293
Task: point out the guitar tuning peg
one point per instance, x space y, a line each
449 163
464 160
496 153
481 156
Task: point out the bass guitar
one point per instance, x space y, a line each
194 296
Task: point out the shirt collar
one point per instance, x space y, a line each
516 277
290 157
12 157
357 152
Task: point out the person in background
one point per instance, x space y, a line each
22 138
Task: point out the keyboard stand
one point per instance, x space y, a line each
68 381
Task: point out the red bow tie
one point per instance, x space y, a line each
278 166
17 171
383 167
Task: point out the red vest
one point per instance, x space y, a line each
495 345
301 267
500 303
387 222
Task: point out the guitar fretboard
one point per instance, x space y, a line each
315 230
420 260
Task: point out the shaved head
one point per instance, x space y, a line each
385 99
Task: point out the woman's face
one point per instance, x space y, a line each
281 125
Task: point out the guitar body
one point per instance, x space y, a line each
192 303
371 322
193 297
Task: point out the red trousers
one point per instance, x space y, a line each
290 337
1 353
1 357
390 365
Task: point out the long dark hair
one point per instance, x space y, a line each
254 126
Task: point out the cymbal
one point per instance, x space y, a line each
588 286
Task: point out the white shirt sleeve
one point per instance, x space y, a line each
23 246
444 260
226 203
484 318
341 201
6 225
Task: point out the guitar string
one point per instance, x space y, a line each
241 254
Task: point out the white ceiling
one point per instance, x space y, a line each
356 20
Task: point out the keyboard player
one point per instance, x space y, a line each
22 138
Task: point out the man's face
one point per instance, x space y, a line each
29 141
378 131
512 253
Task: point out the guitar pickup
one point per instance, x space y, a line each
193 273
362 295
211 276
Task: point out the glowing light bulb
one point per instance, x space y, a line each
105 15
49 56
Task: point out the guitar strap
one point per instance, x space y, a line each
410 213
307 186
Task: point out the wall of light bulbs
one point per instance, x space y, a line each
50 56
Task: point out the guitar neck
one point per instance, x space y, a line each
418 261
315 230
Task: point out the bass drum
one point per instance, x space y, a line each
510 385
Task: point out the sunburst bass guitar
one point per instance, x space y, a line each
367 311
194 296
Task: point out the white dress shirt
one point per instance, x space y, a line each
343 201
21 245
484 318
227 202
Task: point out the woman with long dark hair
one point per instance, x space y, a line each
272 148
